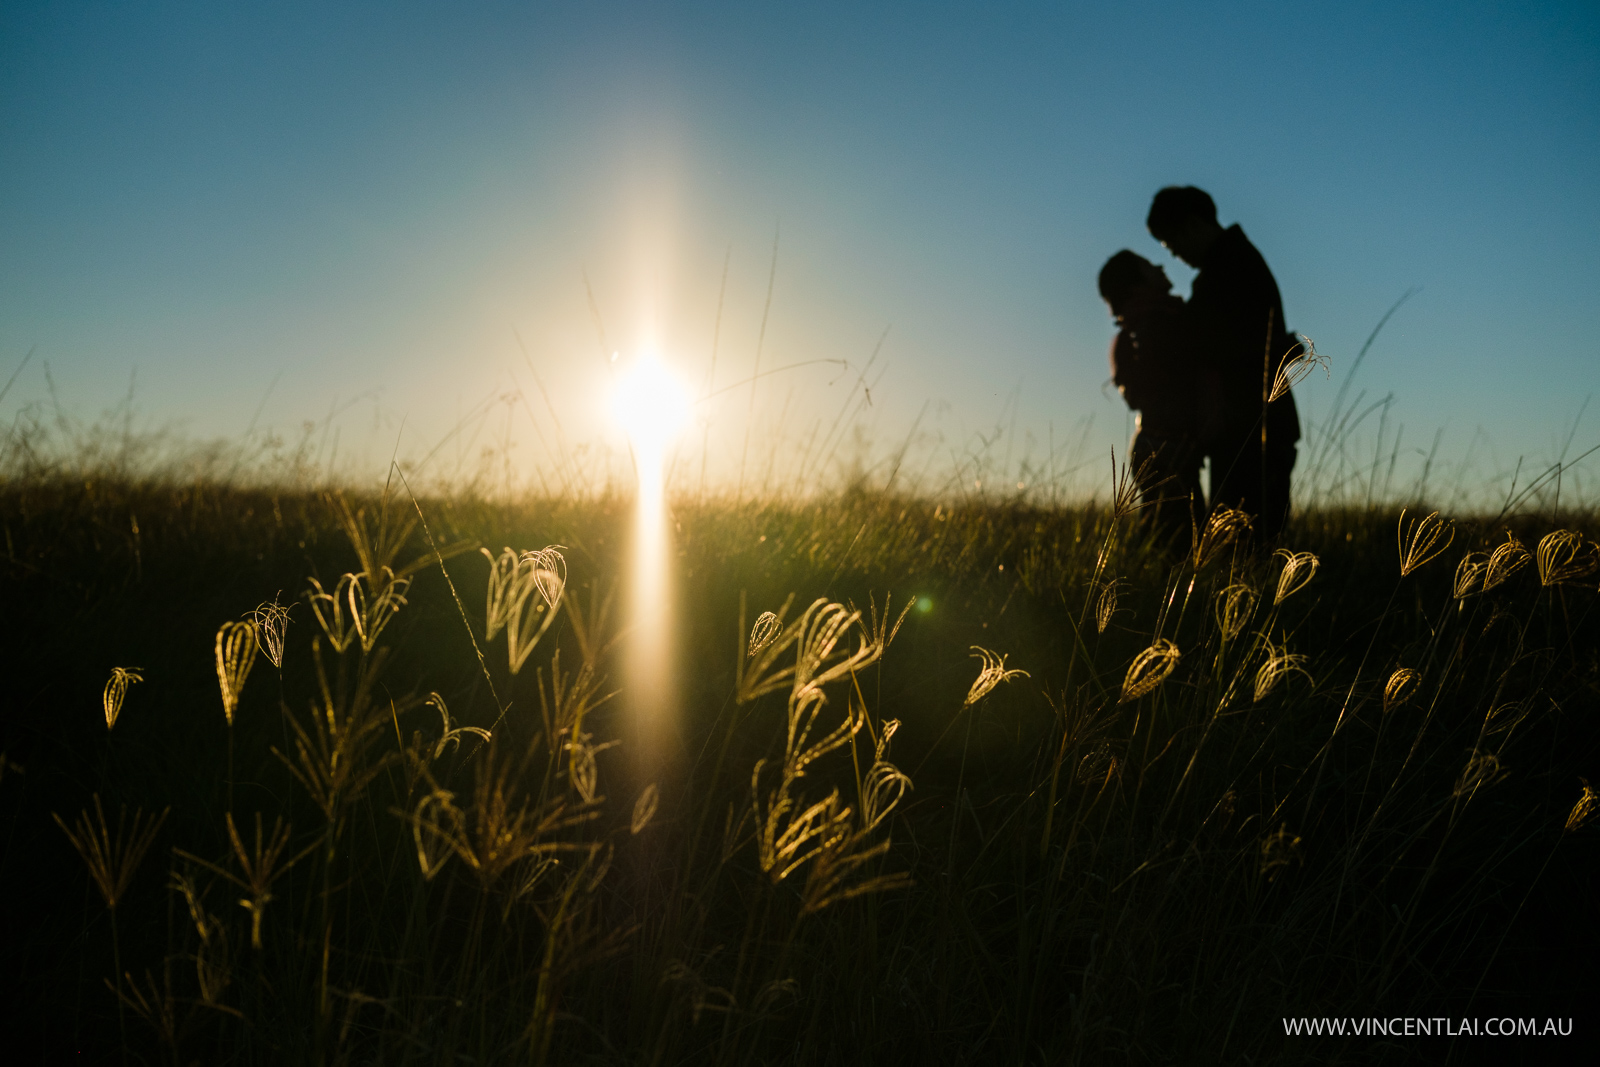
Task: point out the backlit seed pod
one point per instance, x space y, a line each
1505 561
1149 669
644 809
1298 569
1422 539
1585 809
1564 556
1223 527
1470 574
272 623
116 688
549 573
236 654
1401 687
1279 850
991 674
1280 663
1105 607
762 633
1294 370
1235 605
1483 769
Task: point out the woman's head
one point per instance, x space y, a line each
1128 280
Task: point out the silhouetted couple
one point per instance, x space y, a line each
1199 373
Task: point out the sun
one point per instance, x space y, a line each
649 402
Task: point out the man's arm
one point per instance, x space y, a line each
1124 369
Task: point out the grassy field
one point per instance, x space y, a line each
1227 788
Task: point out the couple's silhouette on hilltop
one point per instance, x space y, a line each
1204 374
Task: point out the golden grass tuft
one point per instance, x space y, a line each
1105 605
1224 526
762 633
1298 569
1279 664
1584 811
1234 606
272 627
235 654
1149 669
1422 539
990 674
1470 572
1400 688
116 689
1564 557
1504 561
112 858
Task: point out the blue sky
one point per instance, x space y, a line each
368 203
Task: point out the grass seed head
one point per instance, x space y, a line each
1470 572
371 613
1505 561
1482 769
1422 539
272 625
885 736
329 608
1293 371
116 689
261 868
1585 809
762 633
582 769
882 790
1234 606
436 823
236 654
1099 764
1105 606
1280 664
1564 556
1401 687
1149 669
644 809
1278 850
112 858
549 573
991 674
452 735
1298 569
1125 487
1224 527
509 585
510 604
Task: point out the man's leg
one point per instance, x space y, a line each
1168 471
1236 473
1275 491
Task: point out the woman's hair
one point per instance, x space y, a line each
1124 271
1174 206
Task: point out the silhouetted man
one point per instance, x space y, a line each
1154 368
1235 320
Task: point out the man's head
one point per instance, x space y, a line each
1129 282
1184 219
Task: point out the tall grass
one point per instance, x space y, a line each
956 781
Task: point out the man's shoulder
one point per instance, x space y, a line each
1233 249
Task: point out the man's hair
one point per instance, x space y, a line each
1122 272
1174 206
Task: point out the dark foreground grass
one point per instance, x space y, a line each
1040 873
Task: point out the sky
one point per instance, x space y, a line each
426 226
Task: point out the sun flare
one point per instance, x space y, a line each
652 406
649 402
